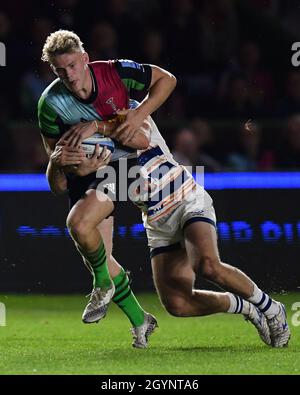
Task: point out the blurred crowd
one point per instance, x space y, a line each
232 60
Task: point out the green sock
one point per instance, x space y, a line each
98 263
126 300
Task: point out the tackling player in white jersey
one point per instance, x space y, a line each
180 222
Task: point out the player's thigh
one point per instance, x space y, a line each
90 210
201 244
173 276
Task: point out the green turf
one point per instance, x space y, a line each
44 335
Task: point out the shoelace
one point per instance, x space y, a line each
95 297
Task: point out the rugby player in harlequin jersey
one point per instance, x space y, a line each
75 106
112 83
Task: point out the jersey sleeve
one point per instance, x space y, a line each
48 119
135 76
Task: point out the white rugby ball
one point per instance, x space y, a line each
89 144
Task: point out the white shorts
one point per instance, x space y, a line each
167 233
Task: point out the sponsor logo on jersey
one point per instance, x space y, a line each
130 63
199 213
111 103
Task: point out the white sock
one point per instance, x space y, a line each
237 304
264 303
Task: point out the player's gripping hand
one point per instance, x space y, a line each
90 165
77 133
122 133
64 155
133 120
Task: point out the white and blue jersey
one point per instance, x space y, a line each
166 183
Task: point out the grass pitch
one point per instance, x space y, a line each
44 335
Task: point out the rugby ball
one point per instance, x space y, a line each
89 144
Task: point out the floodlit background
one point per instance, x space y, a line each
232 60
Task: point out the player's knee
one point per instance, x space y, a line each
209 267
176 308
78 227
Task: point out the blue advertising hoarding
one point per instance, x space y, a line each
258 231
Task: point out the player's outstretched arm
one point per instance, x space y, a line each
82 130
140 139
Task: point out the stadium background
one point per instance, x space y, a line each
232 60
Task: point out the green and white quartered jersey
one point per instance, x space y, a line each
113 83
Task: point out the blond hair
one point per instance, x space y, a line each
60 42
